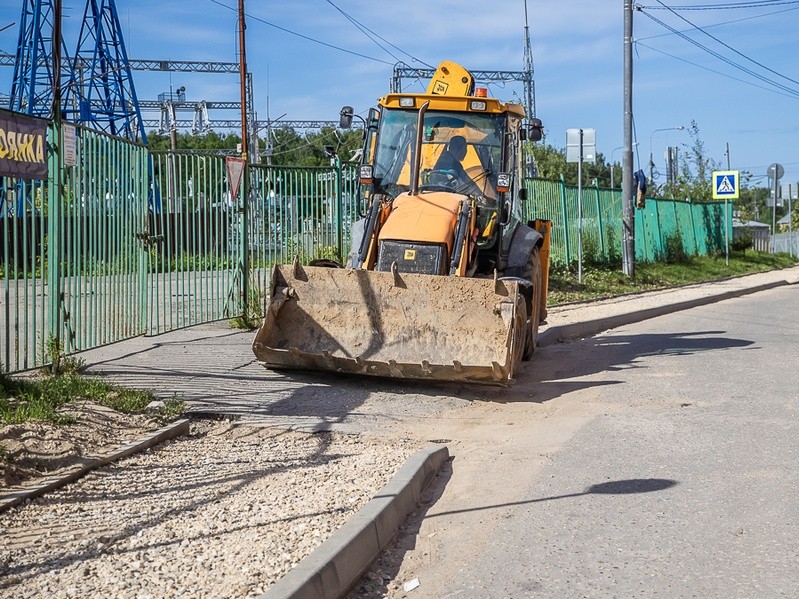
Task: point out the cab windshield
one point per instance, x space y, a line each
461 152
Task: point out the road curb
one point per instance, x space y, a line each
338 563
577 330
89 463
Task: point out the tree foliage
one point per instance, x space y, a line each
287 148
551 164
694 181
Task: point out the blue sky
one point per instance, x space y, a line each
577 53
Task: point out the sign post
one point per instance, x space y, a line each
726 186
580 146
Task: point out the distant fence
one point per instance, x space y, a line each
661 227
785 242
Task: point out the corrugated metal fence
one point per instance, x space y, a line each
662 228
128 242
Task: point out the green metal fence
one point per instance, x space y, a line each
125 242
661 227
299 212
73 269
191 240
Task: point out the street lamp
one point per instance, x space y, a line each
613 151
651 162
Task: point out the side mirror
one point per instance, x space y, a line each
523 194
345 117
536 130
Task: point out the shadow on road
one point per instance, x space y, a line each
616 487
556 370
217 374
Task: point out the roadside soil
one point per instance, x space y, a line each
38 450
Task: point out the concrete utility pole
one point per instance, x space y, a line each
245 209
628 213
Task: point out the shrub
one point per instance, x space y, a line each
742 243
675 250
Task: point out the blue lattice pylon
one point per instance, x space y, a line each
32 86
100 93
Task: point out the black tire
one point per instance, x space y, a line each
520 333
532 273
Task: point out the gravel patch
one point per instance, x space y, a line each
224 512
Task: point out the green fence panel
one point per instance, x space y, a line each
101 214
700 226
647 220
192 237
25 294
546 201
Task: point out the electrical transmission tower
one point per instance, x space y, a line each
529 87
32 86
99 91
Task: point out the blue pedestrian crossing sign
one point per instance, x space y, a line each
725 185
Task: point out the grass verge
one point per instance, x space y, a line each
24 399
602 281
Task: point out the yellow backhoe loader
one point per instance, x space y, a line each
444 281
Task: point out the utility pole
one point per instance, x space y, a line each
628 213
54 196
245 209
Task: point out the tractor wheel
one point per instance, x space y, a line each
520 333
532 273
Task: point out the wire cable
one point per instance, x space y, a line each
789 90
730 48
369 33
727 6
730 22
699 66
305 37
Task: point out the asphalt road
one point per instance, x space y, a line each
657 459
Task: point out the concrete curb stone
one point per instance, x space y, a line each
338 563
587 328
89 463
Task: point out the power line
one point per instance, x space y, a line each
305 37
726 6
730 22
699 66
714 38
726 60
369 33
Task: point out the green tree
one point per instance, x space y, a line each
551 164
188 141
696 170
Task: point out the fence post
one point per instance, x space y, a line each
339 220
244 235
601 231
54 252
693 227
564 219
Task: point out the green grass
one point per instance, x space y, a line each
605 281
23 399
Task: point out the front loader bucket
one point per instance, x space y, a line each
393 325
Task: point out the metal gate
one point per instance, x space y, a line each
121 242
